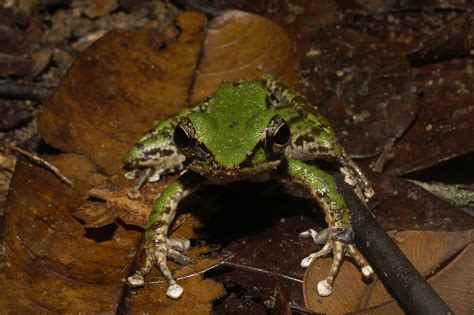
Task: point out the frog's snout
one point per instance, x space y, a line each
130 160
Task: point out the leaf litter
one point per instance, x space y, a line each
106 118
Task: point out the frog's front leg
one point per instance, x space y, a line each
157 244
314 137
338 237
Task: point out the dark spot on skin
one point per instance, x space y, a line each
152 152
303 138
233 123
167 152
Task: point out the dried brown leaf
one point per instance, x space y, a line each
444 124
118 88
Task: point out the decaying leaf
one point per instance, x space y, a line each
444 125
364 86
232 54
401 205
118 88
430 252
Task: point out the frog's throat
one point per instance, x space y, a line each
222 174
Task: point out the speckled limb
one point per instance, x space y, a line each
157 245
316 138
339 235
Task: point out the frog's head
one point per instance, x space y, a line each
238 137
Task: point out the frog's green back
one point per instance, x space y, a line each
235 121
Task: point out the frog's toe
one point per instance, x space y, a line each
133 194
364 266
319 238
340 249
179 244
324 288
130 175
175 291
321 253
136 281
369 192
367 271
178 257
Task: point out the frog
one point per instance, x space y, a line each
248 130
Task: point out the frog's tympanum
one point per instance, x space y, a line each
248 130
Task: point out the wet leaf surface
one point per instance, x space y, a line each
401 205
430 252
364 86
444 125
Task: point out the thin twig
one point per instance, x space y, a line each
208 10
194 274
36 159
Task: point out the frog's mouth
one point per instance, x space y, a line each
225 174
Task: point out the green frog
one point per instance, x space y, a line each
253 131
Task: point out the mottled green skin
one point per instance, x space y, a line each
233 138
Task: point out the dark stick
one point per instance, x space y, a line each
24 90
208 10
409 287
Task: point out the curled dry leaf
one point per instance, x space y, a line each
114 92
430 252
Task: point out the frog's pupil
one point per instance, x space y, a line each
181 138
282 135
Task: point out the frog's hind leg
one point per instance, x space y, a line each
338 237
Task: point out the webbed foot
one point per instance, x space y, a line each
157 254
339 249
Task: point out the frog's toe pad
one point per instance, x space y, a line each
179 244
319 238
136 281
367 271
133 194
305 262
174 291
324 288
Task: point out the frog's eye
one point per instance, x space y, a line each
282 134
278 135
183 136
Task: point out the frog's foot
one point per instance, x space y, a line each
354 177
144 175
339 249
157 255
